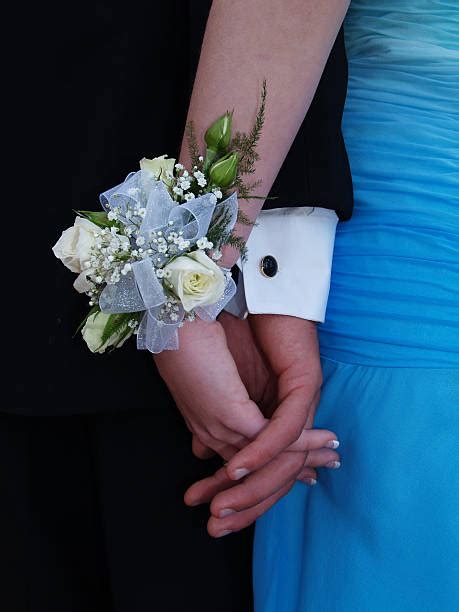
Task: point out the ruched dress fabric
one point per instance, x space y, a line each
382 532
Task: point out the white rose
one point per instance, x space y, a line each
159 166
196 280
74 249
93 330
74 246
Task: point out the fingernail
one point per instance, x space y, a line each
240 473
226 512
334 465
310 481
223 533
332 444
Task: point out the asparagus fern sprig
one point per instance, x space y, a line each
192 143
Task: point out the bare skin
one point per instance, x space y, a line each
288 43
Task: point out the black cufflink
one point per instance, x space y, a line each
268 266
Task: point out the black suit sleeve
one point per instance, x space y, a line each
316 170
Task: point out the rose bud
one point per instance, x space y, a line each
223 173
218 136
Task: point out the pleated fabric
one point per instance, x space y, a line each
382 533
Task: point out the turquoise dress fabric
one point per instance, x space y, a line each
382 533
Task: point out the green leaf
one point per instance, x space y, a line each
117 324
122 337
93 310
99 218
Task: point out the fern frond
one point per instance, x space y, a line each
238 243
245 146
192 143
243 219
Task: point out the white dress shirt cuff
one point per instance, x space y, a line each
288 264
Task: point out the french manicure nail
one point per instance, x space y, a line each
334 465
240 473
310 481
223 533
225 512
332 444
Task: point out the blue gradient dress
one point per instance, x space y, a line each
382 533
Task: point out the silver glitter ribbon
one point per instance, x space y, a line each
140 290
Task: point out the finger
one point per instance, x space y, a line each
312 411
224 434
270 442
204 490
200 450
313 439
239 520
187 421
259 486
321 458
308 476
226 451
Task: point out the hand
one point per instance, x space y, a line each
253 369
204 382
235 506
203 379
259 380
291 348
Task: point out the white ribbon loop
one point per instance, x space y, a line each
145 205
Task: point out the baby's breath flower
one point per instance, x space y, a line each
217 254
202 243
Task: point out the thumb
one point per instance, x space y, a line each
285 427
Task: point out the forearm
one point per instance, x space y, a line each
287 43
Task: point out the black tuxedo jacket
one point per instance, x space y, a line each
120 92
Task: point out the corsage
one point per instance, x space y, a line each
148 260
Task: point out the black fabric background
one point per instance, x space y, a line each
119 85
